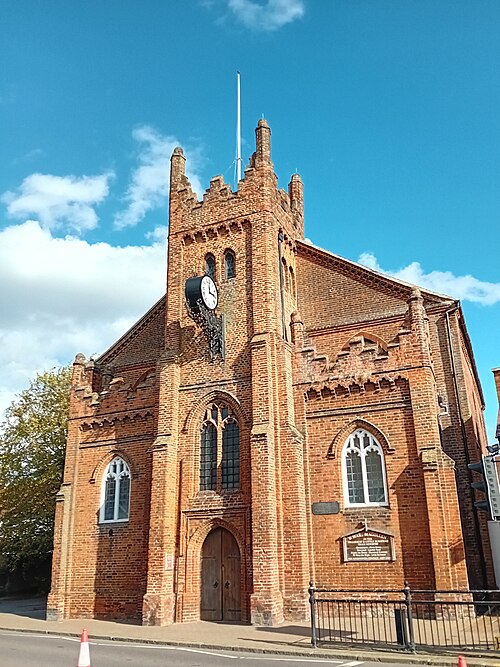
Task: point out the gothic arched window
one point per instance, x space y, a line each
210 266
230 264
219 450
363 470
115 493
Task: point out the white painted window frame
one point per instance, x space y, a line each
373 446
107 475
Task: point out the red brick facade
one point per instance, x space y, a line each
316 347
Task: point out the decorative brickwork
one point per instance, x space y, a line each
315 348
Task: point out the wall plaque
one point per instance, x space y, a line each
368 545
326 508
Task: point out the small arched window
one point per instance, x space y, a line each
363 470
230 264
292 282
284 273
115 493
220 450
210 266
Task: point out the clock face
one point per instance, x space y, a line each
209 292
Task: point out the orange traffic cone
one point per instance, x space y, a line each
462 662
84 657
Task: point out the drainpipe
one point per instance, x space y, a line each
477 529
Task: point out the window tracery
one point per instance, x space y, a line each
115 494
363 470
219 450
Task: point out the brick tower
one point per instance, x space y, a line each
258 225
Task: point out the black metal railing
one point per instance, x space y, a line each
407 618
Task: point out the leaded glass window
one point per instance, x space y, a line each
210 266
208 458
220 450
230 264
231 456
115 492
364 471
354 472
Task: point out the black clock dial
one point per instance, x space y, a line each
201 288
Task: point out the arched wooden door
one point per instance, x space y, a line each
220 577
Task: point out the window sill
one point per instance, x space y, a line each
354 508
217 493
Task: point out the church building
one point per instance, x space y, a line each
282 415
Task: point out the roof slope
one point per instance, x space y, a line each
142 343
334 291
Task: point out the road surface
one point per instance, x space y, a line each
22 649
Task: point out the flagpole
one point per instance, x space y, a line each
238 133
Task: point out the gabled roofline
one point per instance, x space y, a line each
468 345
129 334
449 302
382 278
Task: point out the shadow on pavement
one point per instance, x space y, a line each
301 630
32 607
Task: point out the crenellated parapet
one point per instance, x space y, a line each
364 356
257 191
99 391
218 191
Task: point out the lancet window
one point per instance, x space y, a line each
115 493
230 264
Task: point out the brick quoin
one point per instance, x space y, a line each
316 347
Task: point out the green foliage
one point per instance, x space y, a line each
32 446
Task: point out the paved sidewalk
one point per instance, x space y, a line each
288 639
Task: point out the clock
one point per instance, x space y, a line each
201 288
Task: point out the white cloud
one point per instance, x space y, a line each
270 16
148 188
61 296
65 202
466 288
158 235
34 154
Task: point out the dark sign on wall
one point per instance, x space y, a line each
368 545
326 508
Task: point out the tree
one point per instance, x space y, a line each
32 446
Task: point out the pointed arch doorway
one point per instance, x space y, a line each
220 577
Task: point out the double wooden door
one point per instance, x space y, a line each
220 577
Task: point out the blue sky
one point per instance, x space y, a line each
389 110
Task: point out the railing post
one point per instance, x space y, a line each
312 604
411 638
